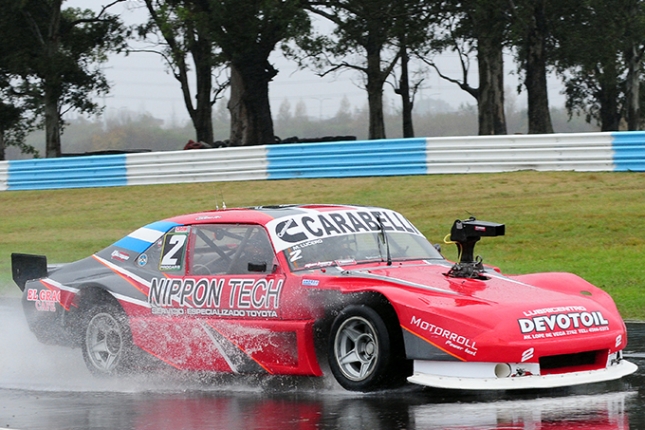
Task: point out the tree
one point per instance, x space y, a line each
598 57
487 22
57 53
403 89
365 29
239 33
633 50
479 26
412 21
16 121
17 116
531 20
185 29
247 32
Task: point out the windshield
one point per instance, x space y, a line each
358 248
345 237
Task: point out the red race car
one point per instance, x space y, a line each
274 289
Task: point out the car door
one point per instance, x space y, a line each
234 272
220 302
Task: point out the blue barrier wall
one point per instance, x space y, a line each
629 151
346 159
72 172
624 151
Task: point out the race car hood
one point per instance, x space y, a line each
544 289
482 317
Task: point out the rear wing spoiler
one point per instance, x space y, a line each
25 267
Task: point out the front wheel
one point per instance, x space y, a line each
107 344
361 355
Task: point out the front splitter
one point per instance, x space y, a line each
614 372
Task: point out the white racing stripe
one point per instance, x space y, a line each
60 286
122 271
146 234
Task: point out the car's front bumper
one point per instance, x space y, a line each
425 373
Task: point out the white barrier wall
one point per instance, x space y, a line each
4 175
211 165
490 154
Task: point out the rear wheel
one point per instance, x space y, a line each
107 344
365 349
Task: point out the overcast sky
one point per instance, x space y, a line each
141 83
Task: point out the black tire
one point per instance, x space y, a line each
366 350
107 342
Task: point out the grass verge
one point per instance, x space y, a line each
586 223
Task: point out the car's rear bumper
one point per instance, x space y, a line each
422 376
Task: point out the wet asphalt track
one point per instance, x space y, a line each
48 387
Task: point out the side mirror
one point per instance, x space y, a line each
257 267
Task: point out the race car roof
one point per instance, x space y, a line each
258 214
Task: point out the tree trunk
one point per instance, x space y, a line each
609 114
237 110
199 45
536 82
404 91
52 85
490 103
251 122
2 145
375 81
633 110
609 119
202 115
609 95
52 123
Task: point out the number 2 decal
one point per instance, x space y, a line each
172 255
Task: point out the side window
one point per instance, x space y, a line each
228 249
168 253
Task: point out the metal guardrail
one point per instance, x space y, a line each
4 175
73 172
346 159
490 154
203 165
629 150
624 151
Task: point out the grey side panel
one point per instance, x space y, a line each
418 349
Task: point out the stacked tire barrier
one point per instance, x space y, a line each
622 151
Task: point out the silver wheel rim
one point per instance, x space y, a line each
356 348
104 342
